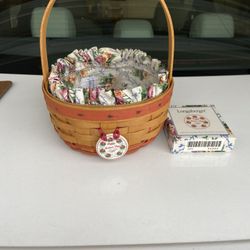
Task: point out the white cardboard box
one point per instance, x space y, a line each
198 128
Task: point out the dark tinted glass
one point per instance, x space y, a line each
212 36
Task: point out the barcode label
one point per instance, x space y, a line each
204 144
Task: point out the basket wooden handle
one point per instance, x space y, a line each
43 44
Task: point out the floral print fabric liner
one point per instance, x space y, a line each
107 76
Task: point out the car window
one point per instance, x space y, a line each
212 36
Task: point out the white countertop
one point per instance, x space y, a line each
51 195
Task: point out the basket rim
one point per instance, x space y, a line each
108 107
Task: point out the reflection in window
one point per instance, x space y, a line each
212 36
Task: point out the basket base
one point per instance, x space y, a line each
131 150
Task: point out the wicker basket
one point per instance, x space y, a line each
79 125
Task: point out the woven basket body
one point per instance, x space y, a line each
78 125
